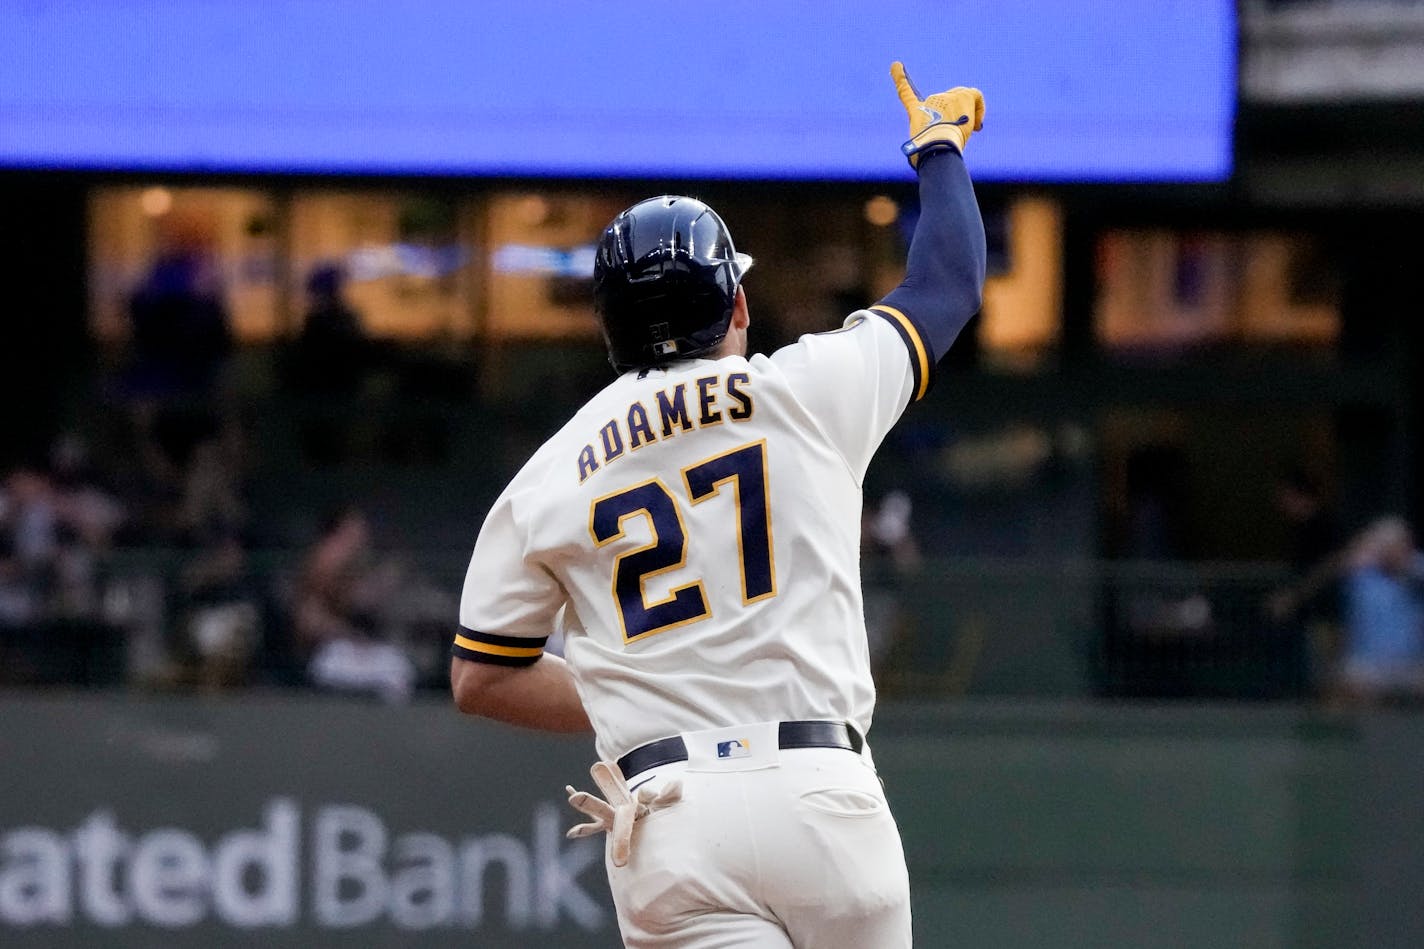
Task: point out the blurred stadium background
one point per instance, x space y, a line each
290 291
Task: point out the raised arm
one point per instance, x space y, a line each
944 277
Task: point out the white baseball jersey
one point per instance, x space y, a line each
694 531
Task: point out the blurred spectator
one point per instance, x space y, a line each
180 332
333 349
329 361
29 544
1151 628
1155 504
219 620
32 519
1303 612
211 500
164 439
1383 655
90 505
889 557
337 611
1313 551
54 530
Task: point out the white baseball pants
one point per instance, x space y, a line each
770 849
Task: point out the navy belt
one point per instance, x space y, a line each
655 754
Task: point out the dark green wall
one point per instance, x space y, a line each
1058 825
1074 825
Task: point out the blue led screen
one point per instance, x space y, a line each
1077 90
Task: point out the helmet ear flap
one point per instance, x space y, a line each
665 282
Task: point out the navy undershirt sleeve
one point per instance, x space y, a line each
944 276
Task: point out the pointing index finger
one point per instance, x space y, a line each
909 95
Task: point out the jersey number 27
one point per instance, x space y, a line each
744 469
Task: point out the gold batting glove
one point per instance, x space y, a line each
944 120
618 810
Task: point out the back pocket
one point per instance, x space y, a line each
843 802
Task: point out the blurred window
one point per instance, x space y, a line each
1023 297
1165 290
516 266
541 264
231 235
407 259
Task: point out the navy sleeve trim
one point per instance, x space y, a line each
498 650
920 364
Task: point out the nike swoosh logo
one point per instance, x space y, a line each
934 116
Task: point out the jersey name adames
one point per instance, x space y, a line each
715 398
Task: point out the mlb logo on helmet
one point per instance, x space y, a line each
663 344
736 748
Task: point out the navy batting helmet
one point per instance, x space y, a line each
664 282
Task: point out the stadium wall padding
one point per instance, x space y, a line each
291 820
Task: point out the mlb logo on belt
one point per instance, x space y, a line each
736 748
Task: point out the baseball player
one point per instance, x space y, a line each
693 531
